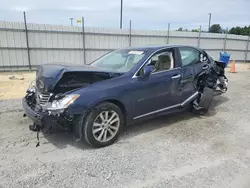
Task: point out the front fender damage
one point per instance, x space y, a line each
48 122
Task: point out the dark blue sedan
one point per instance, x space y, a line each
120 88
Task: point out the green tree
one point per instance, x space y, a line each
240 30
194 30
215 28
245 31
180 29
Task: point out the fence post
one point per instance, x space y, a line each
130 28
83 42
245 59
199 37
27 39
168 33
225 43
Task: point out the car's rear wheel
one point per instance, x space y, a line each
103 125
204 102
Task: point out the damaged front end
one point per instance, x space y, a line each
49 99
47 111
43 118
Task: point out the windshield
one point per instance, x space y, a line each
119 60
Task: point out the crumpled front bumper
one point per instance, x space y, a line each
28 111
43 121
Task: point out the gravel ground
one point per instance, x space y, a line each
181 150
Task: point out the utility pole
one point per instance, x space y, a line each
199 37
168 33
121 14
130 28
209 22
27 38
71 21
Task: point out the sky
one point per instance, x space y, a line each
145 14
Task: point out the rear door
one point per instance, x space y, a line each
192 62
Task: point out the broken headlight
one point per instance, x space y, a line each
64 102
32 87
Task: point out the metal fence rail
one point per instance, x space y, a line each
24 46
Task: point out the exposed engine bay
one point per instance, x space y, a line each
74 80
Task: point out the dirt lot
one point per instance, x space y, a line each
14 84
177 151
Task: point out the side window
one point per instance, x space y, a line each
161 61
190 56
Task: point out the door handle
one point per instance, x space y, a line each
176 76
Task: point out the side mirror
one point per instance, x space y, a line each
147 70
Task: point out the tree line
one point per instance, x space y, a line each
216 28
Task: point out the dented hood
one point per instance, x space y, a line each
48 76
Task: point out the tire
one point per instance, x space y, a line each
204 102
94 121
200 112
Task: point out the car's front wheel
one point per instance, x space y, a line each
103 125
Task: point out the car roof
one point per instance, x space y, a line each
156 47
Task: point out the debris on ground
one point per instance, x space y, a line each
16 77
109 176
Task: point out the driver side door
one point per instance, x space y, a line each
159 91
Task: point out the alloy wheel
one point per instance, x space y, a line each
106 126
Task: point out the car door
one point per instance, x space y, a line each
192 61
160 89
